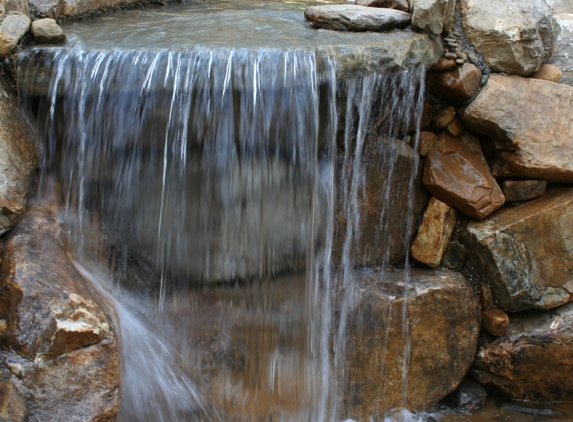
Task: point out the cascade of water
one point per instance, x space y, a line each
181 170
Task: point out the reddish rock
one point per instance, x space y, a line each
443 117
57 339
387 4
444 64
523 190
548 72
456 173
525 253
495 322
460 84
444 322
434 233
427 141
455 127
530 122
534 360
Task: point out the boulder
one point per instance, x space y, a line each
427 141
534 360
530 122
523 190
434 233
18 158
444 64
443 117
495 322
47 31
433 16
443 320
58 341
514 36
563 55
388 4
17 6
455 127
383 232
456 173
460 84
343 17
525 253
12 404
548 72
13 28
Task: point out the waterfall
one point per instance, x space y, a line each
220 192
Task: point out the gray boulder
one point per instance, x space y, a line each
47 31
13 28
433 16
515 36
563 55
342 17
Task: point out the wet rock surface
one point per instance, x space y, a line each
495 322
434 233
523 190
443 342
468 397
47 31
525 253
432 16
57 343
343 17
384 238
456 173
534 360
18 157
563 54
515 37
531 122
426 142
459 84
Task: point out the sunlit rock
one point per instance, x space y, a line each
530 122
443 321
58 342
515 37
456 173
343 17
459 84
47 31
525 253
12 29
432 16
563 55
534 360
548 72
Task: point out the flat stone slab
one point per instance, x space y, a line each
525 253
352 17
534 360
530 122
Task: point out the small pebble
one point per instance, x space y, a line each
450 55
450 39
463 56
459 61
484 79
453 44
437 106
454 34
473 57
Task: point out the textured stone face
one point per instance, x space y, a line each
456 173
57 342
432 16
460 84
523 190
514 36
14 27
525 253
383 237
563 55
531 122
18 158
47 31
443 341
427 141
342 17
388 4
534 360
434 233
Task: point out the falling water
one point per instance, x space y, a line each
208 186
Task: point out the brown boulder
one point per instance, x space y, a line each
383 231
427 141
443 117
531 122
548 72
455 127
18 158
495 322
534 360
58 341
525 253
444 64
456 173
387 4
460 84
523 190
434 233
444 322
